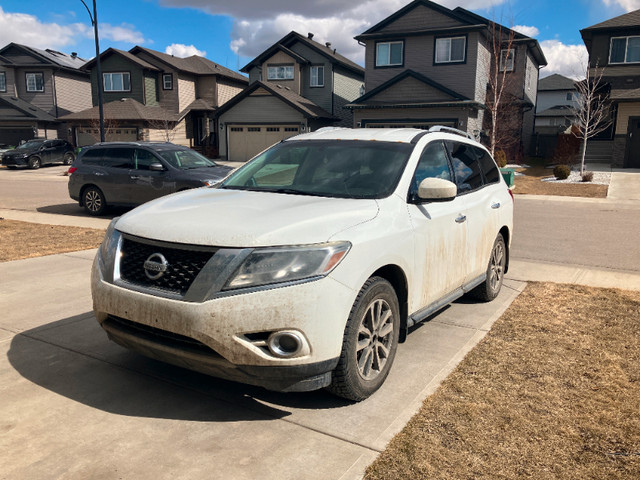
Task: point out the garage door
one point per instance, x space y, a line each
425 125
89 136
246 141
13 136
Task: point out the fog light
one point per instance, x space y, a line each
285 344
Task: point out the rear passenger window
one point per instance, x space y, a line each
92 157
465 166
489 167
118 157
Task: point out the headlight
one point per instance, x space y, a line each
108 249
265 266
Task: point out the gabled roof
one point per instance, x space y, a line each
557 111
114 51
124 109
324 50
194 64
26 109
277 47
556 82
405 74
631 19
288 96
48 56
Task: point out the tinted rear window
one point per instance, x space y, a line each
465 166
489 167
118 157
92 157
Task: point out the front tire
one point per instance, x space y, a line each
370 342
34 163
93 201
490 288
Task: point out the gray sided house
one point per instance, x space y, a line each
37 87
296 85
426 64
150 95
614 45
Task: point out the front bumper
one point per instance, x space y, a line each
14 161
218 337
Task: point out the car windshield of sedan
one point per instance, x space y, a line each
30 144
326 168
186 159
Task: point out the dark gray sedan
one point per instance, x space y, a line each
132 173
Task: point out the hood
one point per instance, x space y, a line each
206 173
236 218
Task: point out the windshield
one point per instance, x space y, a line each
327 168
30 144
186 159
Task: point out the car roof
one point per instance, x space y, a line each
153 145
403 135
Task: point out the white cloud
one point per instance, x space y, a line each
183 51
29 30
532 32
627 5
567 60
257 24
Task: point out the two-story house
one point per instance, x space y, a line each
296 85
614 47
37 87
426 64
150 95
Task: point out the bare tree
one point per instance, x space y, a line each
592 111
109 128
501 104
165 124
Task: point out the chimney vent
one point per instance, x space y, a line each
328 44
74 54
310 36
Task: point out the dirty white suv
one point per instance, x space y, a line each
306 267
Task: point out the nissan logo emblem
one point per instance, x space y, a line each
155 266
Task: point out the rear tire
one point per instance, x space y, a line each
34 163
93 201
370 342
490 288
68 158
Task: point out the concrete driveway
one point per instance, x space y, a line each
74 405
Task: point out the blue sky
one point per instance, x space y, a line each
232 32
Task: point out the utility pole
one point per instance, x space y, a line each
94 23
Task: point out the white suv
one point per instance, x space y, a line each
306 267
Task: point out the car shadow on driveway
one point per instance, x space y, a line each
73 358
73 209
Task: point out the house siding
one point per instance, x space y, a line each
282 58
116 63
482 71
226 91
43 100
73 93
11 80
436 115
151 89
418 19
346 88
186 92
626 110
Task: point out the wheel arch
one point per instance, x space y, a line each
84 188
398 280
506 235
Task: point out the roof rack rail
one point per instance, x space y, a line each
455 131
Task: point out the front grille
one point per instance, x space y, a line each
182 269
159 336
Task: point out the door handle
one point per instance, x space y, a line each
135 177
495 205
99 174
461 219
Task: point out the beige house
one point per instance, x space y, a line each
37 87
150 95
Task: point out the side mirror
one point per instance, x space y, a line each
156 167
437 189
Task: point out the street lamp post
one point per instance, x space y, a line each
94 22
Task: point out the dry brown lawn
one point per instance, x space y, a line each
552 392
24 240
531 183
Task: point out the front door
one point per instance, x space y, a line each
633 143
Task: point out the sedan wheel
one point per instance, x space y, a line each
34 163
68 158
94 202
370 342
490 288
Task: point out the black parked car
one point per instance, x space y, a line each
131 173
38 152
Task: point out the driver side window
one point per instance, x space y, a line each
433 163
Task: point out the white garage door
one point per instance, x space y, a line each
89 136
245 141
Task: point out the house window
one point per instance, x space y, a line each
569 97
389 54
450 50
507 57
253 129
280 72
625 50
117 82
167 81
3 82
35 82
317 76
